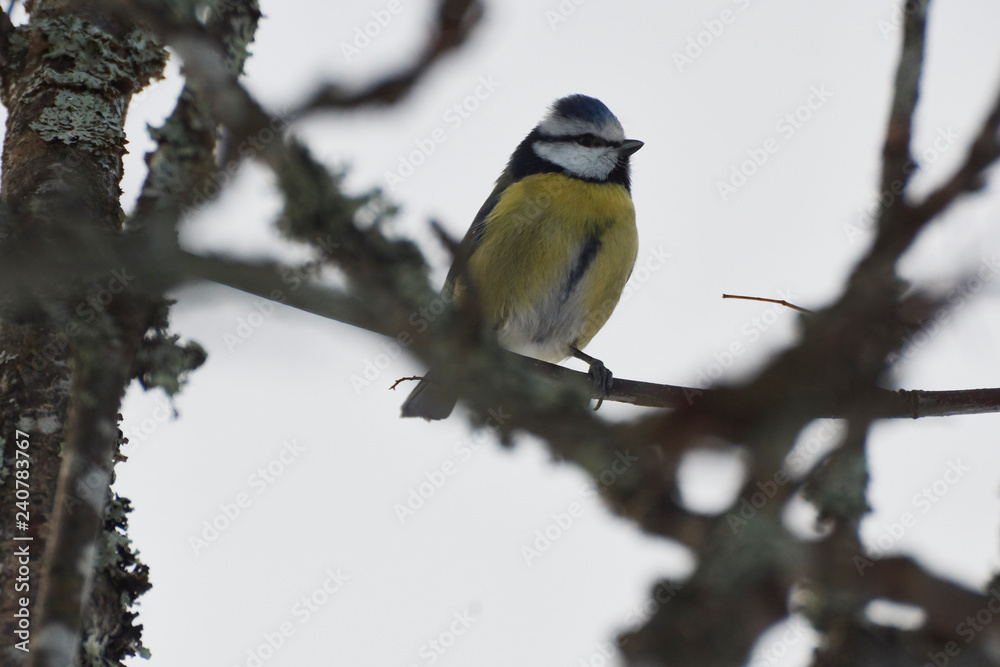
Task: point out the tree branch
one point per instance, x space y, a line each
271 281
456 20
983 152
896 160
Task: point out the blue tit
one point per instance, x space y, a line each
553 246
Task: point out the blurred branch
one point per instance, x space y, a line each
970 176
269 281
838 364
900 222
896 160
455 23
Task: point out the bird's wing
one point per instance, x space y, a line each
474 237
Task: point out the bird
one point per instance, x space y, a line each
551 249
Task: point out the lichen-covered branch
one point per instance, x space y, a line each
68 76
100 371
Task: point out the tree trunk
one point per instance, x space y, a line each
67 350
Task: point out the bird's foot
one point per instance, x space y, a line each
602 376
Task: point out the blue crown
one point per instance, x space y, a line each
585 108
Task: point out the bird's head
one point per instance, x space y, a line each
582 137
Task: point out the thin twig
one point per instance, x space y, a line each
780 302
411 378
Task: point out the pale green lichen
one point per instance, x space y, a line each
93 71
99 61
244 20
81 119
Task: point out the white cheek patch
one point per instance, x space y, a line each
595 162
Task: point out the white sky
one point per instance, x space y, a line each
784 233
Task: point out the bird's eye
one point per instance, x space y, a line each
588 140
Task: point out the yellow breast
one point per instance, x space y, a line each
531 242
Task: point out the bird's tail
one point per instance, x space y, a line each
430 400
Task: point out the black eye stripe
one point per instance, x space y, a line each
589 140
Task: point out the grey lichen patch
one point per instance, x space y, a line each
83 55
115 543
122 575
49 424
242 18
93 72
81 119
94 649
182 162
163 362
838 487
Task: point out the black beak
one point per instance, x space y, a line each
629 146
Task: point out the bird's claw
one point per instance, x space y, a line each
603 378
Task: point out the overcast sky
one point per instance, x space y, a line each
289 441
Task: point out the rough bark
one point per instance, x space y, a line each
67 79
